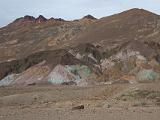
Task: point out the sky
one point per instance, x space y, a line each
70 9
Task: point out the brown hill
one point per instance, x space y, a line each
132 25
28 35
97 43
18 40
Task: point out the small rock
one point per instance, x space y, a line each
80 107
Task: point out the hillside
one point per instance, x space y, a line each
28 35
120 47
135 25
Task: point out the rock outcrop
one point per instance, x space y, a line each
89 17
40 19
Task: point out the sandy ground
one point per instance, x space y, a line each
57 102
86 114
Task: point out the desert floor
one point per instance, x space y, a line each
58 103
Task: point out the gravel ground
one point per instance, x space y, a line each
56 103
86 114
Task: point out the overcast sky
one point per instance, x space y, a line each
70 9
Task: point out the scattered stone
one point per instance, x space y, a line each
32 84
108 106
69 83
80 107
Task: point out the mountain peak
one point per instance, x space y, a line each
40 19
138 11
25 19
89 17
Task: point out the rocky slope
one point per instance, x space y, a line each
120 48
28 35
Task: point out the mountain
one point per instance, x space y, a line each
28 35
110 47
133 25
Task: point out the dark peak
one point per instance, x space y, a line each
51 18
89 17
25 19
57 19
40 19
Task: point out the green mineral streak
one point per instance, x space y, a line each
79 72
147 75
79 69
